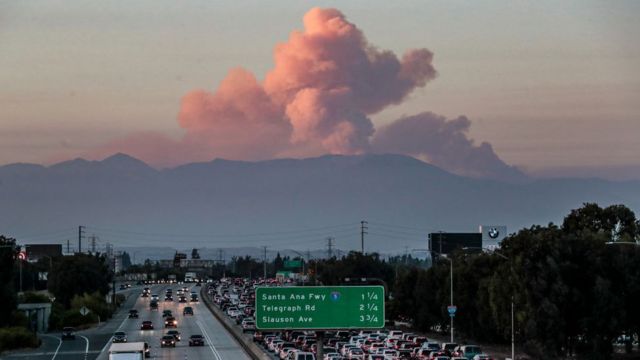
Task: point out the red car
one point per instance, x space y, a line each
146 325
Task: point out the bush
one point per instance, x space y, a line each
56 319
33 298
94 302
17 338
75 319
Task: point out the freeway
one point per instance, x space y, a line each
93 344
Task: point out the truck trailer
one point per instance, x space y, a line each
127 351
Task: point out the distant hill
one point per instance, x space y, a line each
287 203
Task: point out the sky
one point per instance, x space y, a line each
551 88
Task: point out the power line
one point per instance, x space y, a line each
232 235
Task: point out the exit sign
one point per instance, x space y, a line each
319 307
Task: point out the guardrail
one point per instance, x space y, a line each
253 350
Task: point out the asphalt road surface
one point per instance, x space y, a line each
94 343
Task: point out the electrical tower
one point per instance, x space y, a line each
363 231
330 244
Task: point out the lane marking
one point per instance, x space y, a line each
126 317
209 342
59 344
86 350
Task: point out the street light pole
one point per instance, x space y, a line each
451 276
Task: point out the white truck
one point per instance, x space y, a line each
127 351
190 277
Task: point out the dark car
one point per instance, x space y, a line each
166 313
170 321
194 298
119 337
183 299
68 333
168 298
196 340
168 340
133 314
188 310
175 334
146 325
153 305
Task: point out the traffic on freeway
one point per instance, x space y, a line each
236 298
170 319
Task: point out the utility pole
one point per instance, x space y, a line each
330 247
114 282
80 236
363 231
93 243
264 264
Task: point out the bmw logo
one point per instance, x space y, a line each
494 233
335 296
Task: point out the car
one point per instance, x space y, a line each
196 340
467 351
482 357
166 313
248 325
168 298
170 321
299 355
146 325
133 314
167 340
183 299
119 337
188 310
175 334
154 297
194 298
123 287
68 333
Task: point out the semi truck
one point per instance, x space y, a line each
127 351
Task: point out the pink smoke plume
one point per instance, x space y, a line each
444 143
326 82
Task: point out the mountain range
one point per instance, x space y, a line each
285 203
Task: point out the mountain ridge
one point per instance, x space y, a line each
127 196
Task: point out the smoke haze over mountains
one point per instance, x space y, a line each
326 83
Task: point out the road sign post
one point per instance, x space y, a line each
320 307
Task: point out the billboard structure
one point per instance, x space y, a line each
492 235
37 251
445 243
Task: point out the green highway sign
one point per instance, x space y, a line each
319 307
292 264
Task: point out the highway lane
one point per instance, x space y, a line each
87 344
219 344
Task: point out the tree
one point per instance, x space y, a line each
77 275
8 254
126 260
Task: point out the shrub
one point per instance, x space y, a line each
33 298
75 319
17 338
